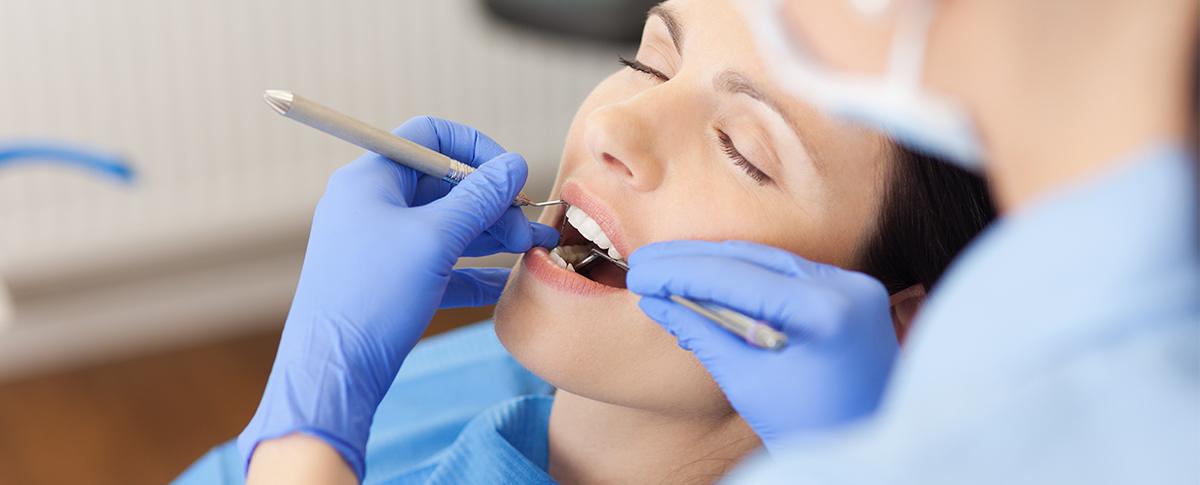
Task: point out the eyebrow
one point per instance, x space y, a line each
673 26
734 82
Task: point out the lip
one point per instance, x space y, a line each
576 195
537 260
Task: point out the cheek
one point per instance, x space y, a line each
855 179
813 225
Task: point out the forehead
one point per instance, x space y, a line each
715 40
711 26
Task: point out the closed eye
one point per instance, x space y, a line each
640 67
759 177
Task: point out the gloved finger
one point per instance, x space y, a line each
470 287
518 235
454 140
430 189
487 243
510 234
761 254
798 307
544 236
724 355
373 178
691 330
513 231
482 198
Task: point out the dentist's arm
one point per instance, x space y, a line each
841 340
380 262
298 459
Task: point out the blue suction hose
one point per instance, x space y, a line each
106 164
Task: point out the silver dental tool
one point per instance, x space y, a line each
399 150
754 332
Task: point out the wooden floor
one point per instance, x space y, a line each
141 420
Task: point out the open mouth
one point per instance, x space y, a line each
579 235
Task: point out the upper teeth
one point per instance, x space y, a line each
591 230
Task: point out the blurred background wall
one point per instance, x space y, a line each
211 233
136 309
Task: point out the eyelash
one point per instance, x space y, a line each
727 146
642 68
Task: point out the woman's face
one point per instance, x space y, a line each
693 141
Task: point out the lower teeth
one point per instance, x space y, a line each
566 256
554 256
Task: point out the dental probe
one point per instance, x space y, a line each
398 149
754 332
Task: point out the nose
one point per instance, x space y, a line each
622 139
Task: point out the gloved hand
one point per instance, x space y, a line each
841 341
380 261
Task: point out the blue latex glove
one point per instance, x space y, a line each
841 341
379 263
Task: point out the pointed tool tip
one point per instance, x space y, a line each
280 101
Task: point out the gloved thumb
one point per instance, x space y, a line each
482 198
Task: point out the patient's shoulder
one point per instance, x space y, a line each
445 382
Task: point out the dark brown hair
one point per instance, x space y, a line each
930 211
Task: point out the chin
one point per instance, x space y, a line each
590 338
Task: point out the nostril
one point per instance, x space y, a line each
615 163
